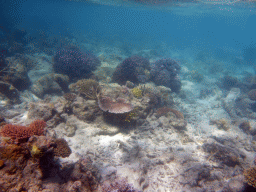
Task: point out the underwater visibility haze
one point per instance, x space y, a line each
128 95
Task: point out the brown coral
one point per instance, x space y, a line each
37 127
117 107
18 132
15 131
252 94
250 176
62 149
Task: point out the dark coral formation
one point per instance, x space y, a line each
75 63
134 69
166 72
62 149
228 82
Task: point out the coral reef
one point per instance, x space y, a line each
165 72
132 69
75 63
50 84
27 166
18 132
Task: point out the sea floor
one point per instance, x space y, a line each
206 148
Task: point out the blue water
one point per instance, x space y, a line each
191 28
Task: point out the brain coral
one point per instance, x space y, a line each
165 72
132 69
75 63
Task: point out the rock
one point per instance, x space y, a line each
50 84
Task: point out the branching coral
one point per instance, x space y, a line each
132 69
87 87
74 62
165 72
18 132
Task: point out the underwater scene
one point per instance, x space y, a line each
128 96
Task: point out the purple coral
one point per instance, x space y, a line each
75 63
165 72
132 69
